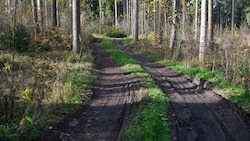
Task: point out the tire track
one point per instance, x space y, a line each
197 113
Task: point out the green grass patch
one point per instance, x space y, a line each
151 121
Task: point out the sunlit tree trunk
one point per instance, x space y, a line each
76 25
210 23
202 48
46 13
136 19
116 13
196 20
173 26
40 16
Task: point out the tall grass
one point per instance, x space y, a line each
151 121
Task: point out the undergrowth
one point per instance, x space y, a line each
151 121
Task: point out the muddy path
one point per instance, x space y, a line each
110 109
197 113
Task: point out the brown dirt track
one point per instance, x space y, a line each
197 113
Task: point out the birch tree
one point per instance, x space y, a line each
202 48
76 25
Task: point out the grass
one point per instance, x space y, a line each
46 88
233 92
151 121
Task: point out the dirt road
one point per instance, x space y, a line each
197 113
111 107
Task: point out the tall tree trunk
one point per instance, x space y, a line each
183 18
174 26
233 17
116 13
202 48
34 14
70 17
46 13
196 20
210 23
136 19
160 24
54 13
124 14
40 16
76 25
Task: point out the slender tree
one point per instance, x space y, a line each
136 19
233 17
174 26
196 20
210 23
76 26
54 13
116 13
202 48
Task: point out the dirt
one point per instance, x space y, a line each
196 113
111 107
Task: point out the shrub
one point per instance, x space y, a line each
114 32
17 39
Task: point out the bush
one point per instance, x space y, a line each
114 32
15 39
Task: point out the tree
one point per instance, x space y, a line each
116 13
76 25
136 19
54 13
174 25
196 20
202 48
210 23
233 17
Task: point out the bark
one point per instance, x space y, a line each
34 14
76 25
202 48
196 20
136 19
40 16
233 17
174 26
183 19
210 23
54 13
71 17
116 13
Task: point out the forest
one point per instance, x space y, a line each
49 63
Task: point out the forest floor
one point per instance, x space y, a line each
197 113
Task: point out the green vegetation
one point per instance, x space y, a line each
232 91
40 86
151 121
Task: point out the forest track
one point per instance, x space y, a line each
110 109
197 113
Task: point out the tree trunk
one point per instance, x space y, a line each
233 17
46 13
34 14
183 19
202 49
196 20
76 25
173 30
136 19
116 13
210 23
54 14
40 16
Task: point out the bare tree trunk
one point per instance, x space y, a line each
183 19
76 25
54 14
233 17
160 24
173 30
136 19
116 13
210 23
34 14
196 20
46 13
202 48
71 17
40 16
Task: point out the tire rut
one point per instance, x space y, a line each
110 109
197 113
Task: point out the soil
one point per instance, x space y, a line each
197 113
